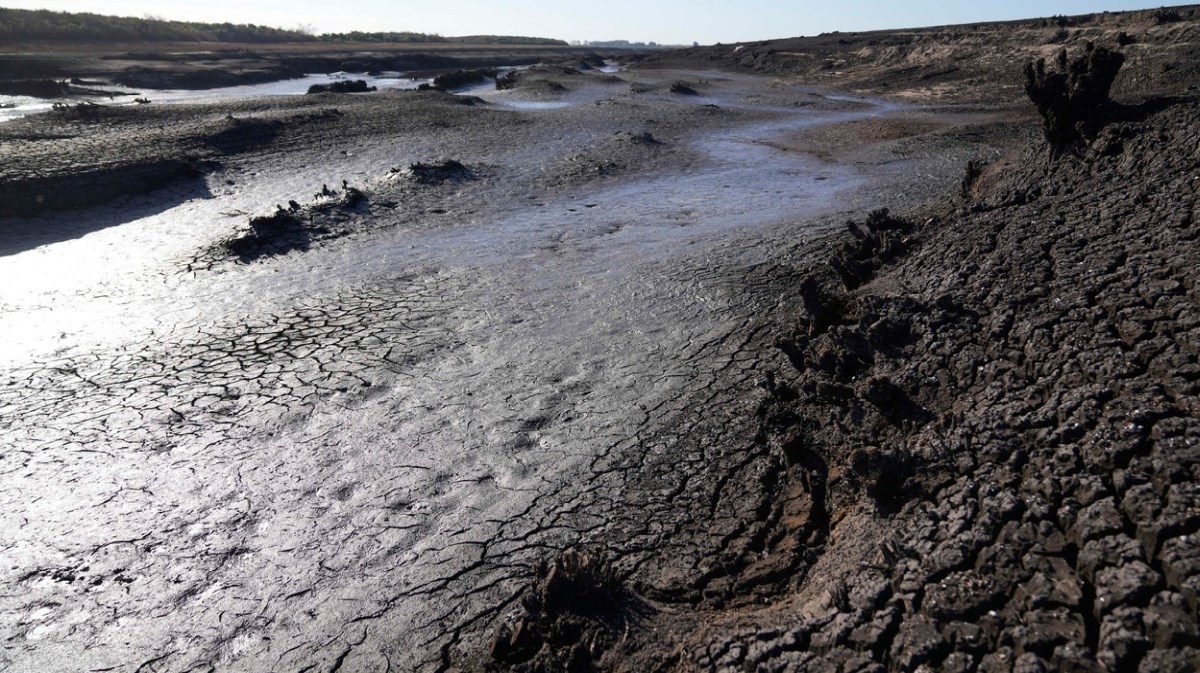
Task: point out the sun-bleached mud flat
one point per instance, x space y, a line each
354 442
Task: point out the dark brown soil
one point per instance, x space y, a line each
977 442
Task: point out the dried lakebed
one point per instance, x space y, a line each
354 453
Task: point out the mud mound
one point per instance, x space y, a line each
50 89
643 138
295 228
344 86
545 79
573 614
461 78
684 89
611 157
547 69
41 194
37 88
586 63
447 170
273 234
241 134
85 154
205 75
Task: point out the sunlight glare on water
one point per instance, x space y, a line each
23 105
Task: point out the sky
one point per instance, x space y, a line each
665 22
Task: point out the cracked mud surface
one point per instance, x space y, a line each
354 454
621 393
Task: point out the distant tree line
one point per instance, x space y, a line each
507 39
392 37
626 44
22 25
427 38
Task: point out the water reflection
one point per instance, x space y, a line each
15 107
24 105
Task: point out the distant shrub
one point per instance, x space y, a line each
383 37
507 39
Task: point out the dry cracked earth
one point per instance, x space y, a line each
614 389
1023 421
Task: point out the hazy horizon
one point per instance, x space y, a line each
670 22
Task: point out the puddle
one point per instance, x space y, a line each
15 107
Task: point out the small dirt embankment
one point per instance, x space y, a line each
975 63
